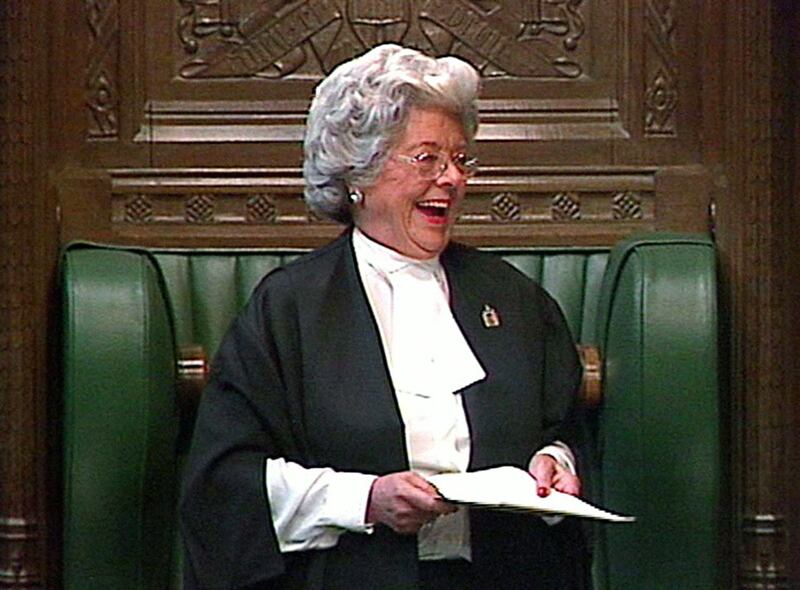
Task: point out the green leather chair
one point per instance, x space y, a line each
648 304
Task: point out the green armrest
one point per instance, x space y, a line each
119 422
659 442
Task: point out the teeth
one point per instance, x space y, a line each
439 204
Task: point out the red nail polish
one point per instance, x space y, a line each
543 492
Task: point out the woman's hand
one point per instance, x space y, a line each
550 474
404 502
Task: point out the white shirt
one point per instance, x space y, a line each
312 507
430 361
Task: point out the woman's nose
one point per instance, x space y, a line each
451 175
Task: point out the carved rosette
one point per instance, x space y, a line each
505 207
566 206
661 99
102 97
627 205
261 209
138 209
199 209
223 39
174 207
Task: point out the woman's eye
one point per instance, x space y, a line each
426 158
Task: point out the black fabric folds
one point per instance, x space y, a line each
301 375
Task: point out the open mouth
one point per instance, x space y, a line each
434 209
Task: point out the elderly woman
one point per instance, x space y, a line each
389 355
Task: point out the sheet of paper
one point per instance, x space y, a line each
511 488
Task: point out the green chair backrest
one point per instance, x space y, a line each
649 304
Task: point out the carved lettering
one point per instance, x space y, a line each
272 46
266 45
471 27
489 41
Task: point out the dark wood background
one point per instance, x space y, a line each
178 123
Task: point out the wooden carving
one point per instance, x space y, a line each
284 39
661 70
517 205
566 206
102 100
504 205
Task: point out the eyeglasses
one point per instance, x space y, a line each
431 165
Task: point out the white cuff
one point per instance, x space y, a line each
561 453
346 501
312 507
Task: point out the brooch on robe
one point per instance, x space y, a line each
490 317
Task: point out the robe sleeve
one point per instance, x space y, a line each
562 420
247 413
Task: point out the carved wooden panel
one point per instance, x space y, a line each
244 38
288 39
242 70
578 92
178 122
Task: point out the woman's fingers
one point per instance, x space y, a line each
550 474
542 470
404 501
566 482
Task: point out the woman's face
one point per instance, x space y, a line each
403 210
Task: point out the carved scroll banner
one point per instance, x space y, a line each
265 38
501 38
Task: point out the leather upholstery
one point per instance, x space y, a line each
649 304
659 428
119 422
207 288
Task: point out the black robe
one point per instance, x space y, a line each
302 375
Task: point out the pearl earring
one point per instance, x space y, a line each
356 197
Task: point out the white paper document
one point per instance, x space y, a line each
511 488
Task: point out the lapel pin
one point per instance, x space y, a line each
490 317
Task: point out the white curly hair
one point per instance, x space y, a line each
361 108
